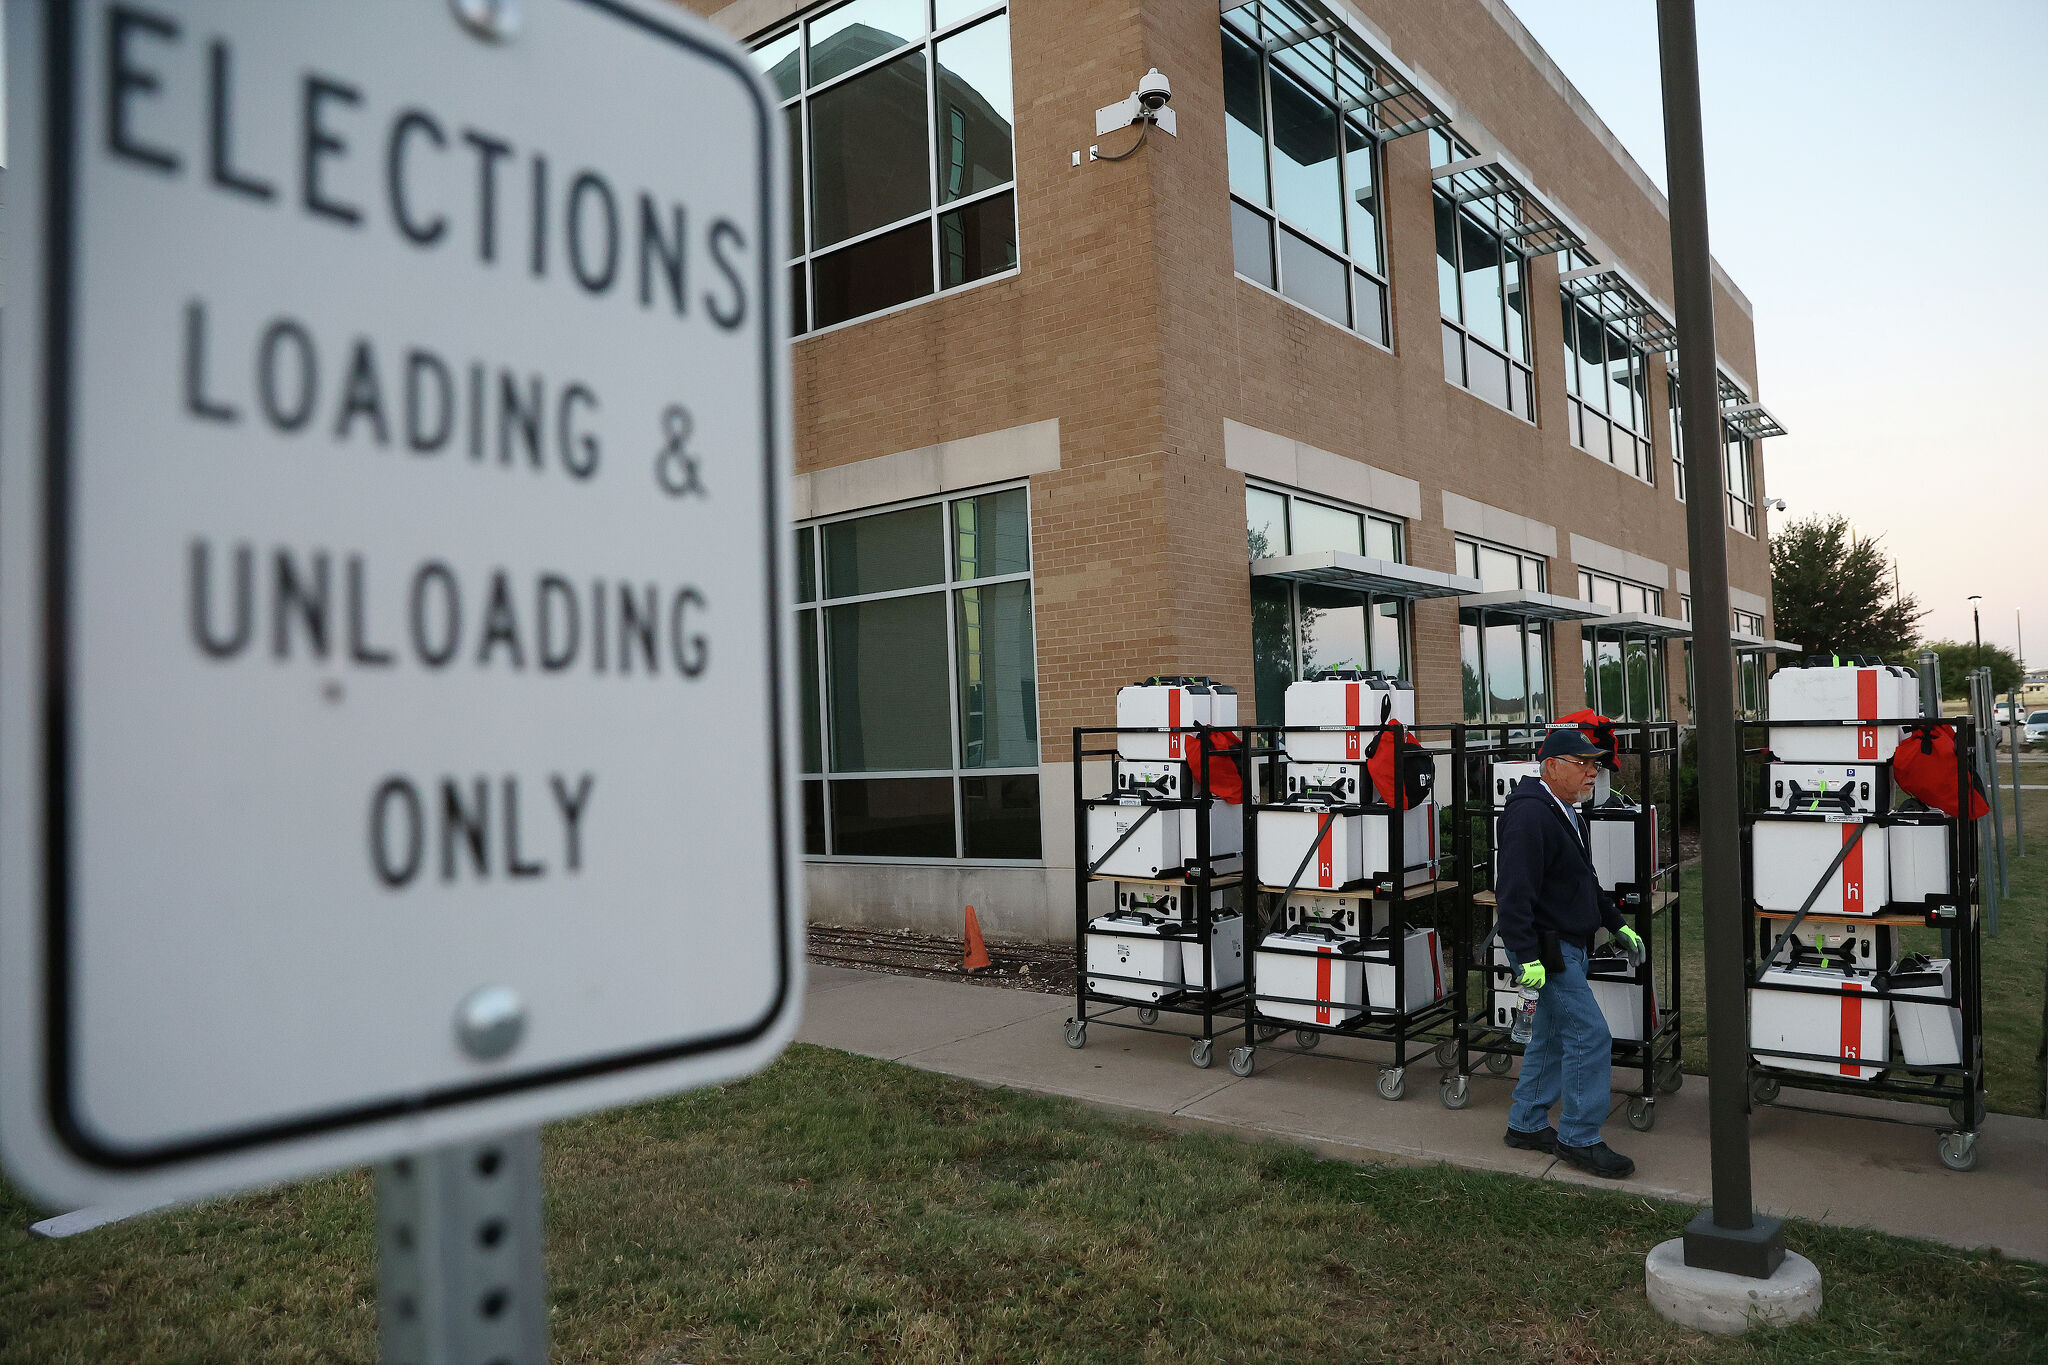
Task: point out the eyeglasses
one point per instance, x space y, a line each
1578 760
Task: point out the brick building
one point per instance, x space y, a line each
1366 361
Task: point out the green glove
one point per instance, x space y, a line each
1533 975
1633 939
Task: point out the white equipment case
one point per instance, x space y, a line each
1349 848
1931 1034
1134 947
1165 901
1789 853
1343 698
1508 772
1313 969
1850 1025
1164 844
1817 788
1342 915
1227 932
1618 987
1171 703
1611 830
1857 944
1918 857
1336 784
1879 692
1144 779
1423 969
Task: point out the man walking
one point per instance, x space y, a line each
1549 905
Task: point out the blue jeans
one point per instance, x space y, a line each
1568 1057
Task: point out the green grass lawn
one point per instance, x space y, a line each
2015 963
841 1209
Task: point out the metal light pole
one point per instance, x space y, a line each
1730 1236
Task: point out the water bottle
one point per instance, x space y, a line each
1525 1016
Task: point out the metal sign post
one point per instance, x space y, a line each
2018 731
394 595
1731 1235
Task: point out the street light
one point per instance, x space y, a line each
1977 624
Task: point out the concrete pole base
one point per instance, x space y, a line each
1728 1305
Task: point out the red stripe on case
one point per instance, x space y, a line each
1852 873
1852 1027
1173 721
1866 694
1351 718
1326 859
1322 984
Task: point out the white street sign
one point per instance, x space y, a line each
393 585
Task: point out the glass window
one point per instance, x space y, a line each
1471 667
868 150
1476 273
974 108
855 34
1301 169
1332 628
1383 540
1314 278
991 535
1505 668
1498 569
1265 515
1251 245
1537 639
998 676
977 241
904 817
928 675
1389 642
806 565
1317 527
888 687
1272 647
882 553
1244 118
902 153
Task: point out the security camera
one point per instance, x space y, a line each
1154 91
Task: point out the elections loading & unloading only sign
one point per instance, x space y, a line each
392 581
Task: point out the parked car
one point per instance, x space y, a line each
2037 728
2004 713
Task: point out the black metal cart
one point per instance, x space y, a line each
1412 1027
1953 914
1203 878
1650 753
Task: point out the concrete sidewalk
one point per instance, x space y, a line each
1826 1168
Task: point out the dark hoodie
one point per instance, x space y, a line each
1543 876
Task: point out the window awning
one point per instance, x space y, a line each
1641 623
1528 605
1366 80
1752 420
1757 644
1342 569
1530 225
1610 293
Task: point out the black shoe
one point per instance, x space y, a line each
1542 1140
1598 1159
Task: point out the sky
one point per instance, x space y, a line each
1874 171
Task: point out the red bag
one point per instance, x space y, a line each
1417 776
1219 757
1924 766
1600 731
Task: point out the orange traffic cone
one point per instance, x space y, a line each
977 951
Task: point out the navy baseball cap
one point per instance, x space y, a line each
1568 741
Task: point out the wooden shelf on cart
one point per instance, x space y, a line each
1907 921
1366 890
1220 879
1664 900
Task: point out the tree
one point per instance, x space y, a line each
1958 657
1833 592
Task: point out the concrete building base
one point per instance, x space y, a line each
1728 1305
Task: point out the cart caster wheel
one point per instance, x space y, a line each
1447 1053
1148 1016
1958 1151
1967 1114
1669 1079
1498 1063
1393 1083
1202 1052
1266 1033
1642 1114
1307 1038
1240 1061
1763 1089
1077 1034
1455 1091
